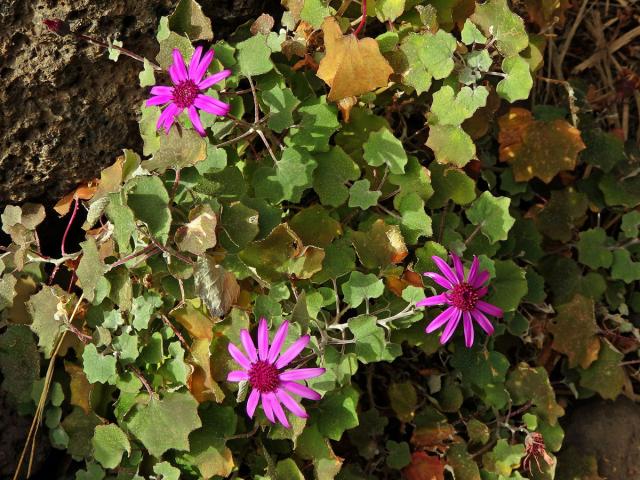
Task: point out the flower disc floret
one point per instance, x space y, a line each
463 297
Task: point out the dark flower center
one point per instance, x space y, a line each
185 93
263 376
463 297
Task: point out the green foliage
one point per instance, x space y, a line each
326 214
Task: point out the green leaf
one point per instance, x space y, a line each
166 471
98 368
496 20
562 213
504 458
189 20
430 56
179 149
593 248
415 222
471 34
109 444
623 268
114 53
335 168
254 56
319 121
630 224
491 214
281 102
143 308
314 12
450 108
371 344
605 376
19 363
361 287
168 44
389 10
165 424
575 332
240 225
292 174
361 197
450 183
604 149
509 286
271 257
146 76
48 318
123 220
148 199
399 454
337 412
80 428
518 81
451 145
340 259
315 226
90 269
288 470
208 450
93 471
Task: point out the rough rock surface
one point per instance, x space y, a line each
610 431
67 110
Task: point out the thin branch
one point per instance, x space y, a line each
363 19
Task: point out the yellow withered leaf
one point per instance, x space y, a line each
351 66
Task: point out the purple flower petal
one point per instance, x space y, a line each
195 120
237 376
301 374
252 402
468 329
194 62
213 79
481 292
431 301
483 321
481 278
167 117
158 100
162 90
248 345
301 390
239 357
263 339
473 271
291 404
445 269
441 319
451 327
277 409
202 68
457 263
179 68
211 105
175 78
267 407
439 279
292 352
278 340
488 308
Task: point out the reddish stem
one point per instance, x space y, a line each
66 232
363 20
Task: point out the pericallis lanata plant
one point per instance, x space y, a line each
264 291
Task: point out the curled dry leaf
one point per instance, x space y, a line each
199 234
85 191
424 467
351 66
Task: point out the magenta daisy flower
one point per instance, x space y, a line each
262 368
186 92
463 297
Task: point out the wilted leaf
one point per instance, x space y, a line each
404 400
547 12
575 332
217 288
179 149
532 384
79 386
424 467
351 66
537 148
199 235
201 383
84 192
379 246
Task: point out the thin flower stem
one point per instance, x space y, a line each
473 234
251 131
168 323
363 20
406 312
142 379
124 51
266 144
122 261
172 252
256 108
66 232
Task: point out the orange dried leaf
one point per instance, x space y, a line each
536 148
85 191
351 66
79 386
424 467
